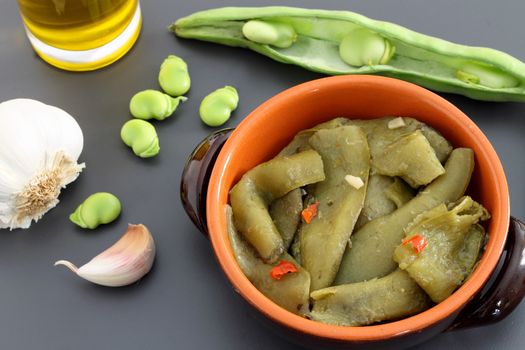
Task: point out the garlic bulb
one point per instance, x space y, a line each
125 262
39 149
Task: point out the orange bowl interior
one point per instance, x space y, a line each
273 124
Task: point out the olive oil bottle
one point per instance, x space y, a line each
81 34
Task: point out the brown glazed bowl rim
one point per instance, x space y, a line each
217 197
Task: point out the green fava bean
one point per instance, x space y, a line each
344 42
364 48
153 104
99 208
486 75
142 137
174 78
217 107
277 34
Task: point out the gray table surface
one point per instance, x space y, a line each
186 302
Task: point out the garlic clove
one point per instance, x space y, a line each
125 262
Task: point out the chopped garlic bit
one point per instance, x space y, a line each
396 123
354 181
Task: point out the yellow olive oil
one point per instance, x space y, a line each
77 24
81 34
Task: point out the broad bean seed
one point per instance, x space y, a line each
216 108
281 35
141 136
174 78
153 104
99 208
364 48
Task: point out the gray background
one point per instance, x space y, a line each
186 302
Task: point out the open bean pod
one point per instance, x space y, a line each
343 42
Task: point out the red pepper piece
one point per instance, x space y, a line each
281 269
418 242
310 212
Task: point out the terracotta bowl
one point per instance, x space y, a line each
272 125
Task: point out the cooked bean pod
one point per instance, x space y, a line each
373 245
344 151
285 211
343 42
379 135
260 186
384 194
359 304
399 192
411 158
447 256
469 254
286 214
291 292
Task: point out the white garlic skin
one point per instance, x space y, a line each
125 262
37 141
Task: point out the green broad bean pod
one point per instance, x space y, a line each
260 186
286 214
216 108
374 243
412 158
142 137
452 245
99 208
292 292
153 104
344 151
359 304
174 78
343 42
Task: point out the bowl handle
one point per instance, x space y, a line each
196 175
506 291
